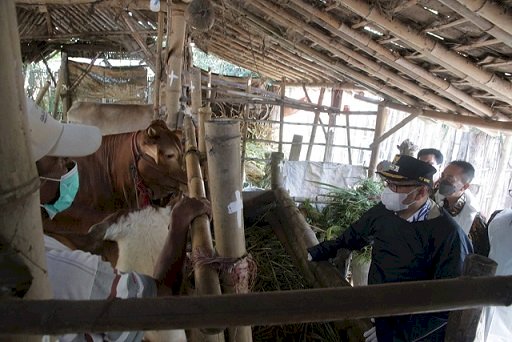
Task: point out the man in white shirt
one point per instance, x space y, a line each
454 194
79 275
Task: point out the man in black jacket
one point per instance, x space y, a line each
412 238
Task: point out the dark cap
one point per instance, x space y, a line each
407 168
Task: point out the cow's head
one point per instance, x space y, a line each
161 166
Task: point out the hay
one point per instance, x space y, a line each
276 272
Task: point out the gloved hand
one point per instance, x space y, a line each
370 335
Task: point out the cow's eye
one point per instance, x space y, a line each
170 155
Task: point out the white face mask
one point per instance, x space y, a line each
393 200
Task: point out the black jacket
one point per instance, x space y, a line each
403 251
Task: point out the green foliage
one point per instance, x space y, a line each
346 205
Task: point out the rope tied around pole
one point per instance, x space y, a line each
238 272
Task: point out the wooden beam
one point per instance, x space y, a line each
476 45
279 307
379 128
138 38
503 126
394 129
281 115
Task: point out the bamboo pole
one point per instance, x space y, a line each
462 324
276 169
463 9
394 129
206 279
42 92
139 40
209 88
296 148
20 217
491 11
79 79
347 124
175 46
196 91
58 89
321 58
65 94
458 119
336 103
158 66
281 114
315 122
245 127
398 62
451 60
223 153
379 128
205 114
278 307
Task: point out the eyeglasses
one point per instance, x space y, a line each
394 186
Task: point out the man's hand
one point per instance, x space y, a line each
370 335
187 209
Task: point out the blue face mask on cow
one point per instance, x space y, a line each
68 189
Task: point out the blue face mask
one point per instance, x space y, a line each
68 190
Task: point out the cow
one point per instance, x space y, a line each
129 170
112 118
140 236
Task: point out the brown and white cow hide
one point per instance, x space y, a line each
108 182
112 118
140 236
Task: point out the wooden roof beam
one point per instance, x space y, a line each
462 100
476 45
150 58
495 24
451 60
405 5
447 25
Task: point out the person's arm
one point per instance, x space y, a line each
170 261
355 237
450 255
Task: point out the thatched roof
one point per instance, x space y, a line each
447 55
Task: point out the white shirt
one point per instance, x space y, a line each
79 275
496 322
468 213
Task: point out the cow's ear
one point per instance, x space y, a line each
179 134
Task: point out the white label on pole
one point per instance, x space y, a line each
172 77
236 207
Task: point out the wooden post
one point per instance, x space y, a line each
205 114
158 66
206 279
379 128
58 90
196 91
276 169
296 235
336 95
20 216
347 123
315 123
281 114
209 88
175 46
245 127
296 147
395 128
462 324
223 153
65 94
42 92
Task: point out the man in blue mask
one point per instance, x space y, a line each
412 238
79 275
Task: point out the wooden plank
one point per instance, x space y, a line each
379 128
296 148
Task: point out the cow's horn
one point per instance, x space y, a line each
151 132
